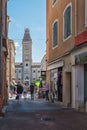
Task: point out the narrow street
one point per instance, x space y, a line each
39 114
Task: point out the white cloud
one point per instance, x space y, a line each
16 44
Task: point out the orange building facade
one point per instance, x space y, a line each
3 52
66 44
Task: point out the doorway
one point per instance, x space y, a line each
85 83
60 85
68 89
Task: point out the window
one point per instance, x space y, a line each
19 71
54 1
26 64
27 77
55 34
33 71
67 22
26 71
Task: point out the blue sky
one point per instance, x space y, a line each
31 14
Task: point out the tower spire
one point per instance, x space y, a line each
27 36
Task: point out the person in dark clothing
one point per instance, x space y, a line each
59 85
32 91
19 92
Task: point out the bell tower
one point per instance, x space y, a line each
27 56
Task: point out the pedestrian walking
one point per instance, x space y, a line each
32 91
19 92
25 90
46 90
11 90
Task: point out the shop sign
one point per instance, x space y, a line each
81 59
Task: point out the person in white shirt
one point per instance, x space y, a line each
25 90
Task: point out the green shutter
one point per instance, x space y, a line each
55 34
67 22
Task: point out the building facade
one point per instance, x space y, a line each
3 52
27 71
19 72
66 37
10 71
43 63
43 68
23 72
36 71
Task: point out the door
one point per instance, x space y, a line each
85 82
68 89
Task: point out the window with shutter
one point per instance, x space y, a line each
54 1
67 22
55 34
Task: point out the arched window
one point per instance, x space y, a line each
27 77
67 22
55 34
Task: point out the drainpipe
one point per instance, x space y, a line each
0 47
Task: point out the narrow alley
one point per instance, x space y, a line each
39 114
43 64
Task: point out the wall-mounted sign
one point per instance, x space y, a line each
81 58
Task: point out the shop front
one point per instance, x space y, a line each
79 79
81 62
55 71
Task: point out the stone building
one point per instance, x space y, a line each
18 72
27 71
66 50
27 56
36 71
43 63
43 68
10 71
23 72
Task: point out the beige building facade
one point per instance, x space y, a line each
11 62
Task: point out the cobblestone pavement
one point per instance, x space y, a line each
41 115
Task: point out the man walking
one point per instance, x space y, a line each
32 91
46 90
19 92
